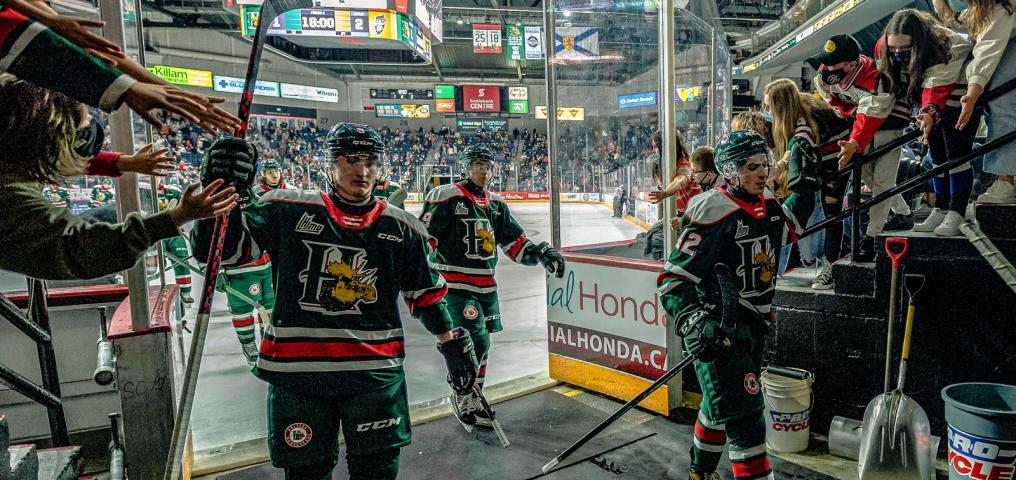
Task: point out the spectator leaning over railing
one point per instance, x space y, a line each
43 143
990 24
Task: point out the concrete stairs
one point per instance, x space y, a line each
25 462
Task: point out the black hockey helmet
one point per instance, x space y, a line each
354 137
474 154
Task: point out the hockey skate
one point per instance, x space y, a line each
250 352
185 297
465 408
482 419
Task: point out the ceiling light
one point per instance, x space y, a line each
567 13
518 23
459 21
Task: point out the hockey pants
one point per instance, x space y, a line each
480 315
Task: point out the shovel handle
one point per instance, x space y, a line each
903 243
907 331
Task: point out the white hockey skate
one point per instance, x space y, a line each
250 352
465 407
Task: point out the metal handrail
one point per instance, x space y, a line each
36 326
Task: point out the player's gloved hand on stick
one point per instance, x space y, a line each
551 259
233 160
705 337
460 360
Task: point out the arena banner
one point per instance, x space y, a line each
486 38
606 328
183 76
401 110
517 196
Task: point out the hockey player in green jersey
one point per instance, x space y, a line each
334 349
254 279
390 191
102 194
469 223
169 197
742 225
57 195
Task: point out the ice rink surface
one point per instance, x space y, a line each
230 402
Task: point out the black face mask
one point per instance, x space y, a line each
833 77
900 59
90 140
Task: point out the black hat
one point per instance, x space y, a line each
838 49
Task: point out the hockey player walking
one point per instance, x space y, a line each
389 191
742 225
169 197
469 222
254 279
334 348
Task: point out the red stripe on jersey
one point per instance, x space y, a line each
793 237
482 372
427 299
261 261
183 280
714 437
517 247
353 222
480 201
664 276
243 322
752 467
474 280
331 349
757 210
9 21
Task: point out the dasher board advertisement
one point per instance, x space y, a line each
606 327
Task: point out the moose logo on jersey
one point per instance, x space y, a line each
758 266
337 280
479 239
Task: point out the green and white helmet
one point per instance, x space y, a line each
474 154
270 164
734 151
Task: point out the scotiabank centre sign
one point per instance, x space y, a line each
481 98
608 316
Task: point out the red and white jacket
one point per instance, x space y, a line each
857 96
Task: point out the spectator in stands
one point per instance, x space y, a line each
46 138
990 24
922 62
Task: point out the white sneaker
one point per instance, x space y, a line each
999 192
950 227
932 222
824 280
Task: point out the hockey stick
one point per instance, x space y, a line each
729 302
225 285
490 413
174 464
398 196
990 252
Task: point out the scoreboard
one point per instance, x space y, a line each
401 94
334 23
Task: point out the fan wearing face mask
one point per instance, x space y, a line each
848 82
922 62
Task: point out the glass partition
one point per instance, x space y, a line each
607 73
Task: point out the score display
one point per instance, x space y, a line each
401 94
319 20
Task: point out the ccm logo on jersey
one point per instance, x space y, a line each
378 425
385 236
981 458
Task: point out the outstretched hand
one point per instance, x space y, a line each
207 203
146 161
197 109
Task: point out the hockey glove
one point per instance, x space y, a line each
550 259
460 360
704 337
234 161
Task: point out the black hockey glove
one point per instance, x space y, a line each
704 337
550 259
233 160
460 360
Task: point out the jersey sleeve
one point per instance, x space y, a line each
513 241
249 236
990 46
104 164
797 208
54 244
697 250
423 288
28 49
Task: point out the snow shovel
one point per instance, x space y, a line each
896 440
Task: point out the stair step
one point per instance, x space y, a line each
854 278
997 221
64 463
24 462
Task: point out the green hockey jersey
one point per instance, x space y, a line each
169 196
336 326
468 228
58 196
721 228
102 195
385 189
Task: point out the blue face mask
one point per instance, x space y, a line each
957 5
768 116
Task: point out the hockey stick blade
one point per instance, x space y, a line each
493 420
728 296
398 196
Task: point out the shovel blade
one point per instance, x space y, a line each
896 441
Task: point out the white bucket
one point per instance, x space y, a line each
788 403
